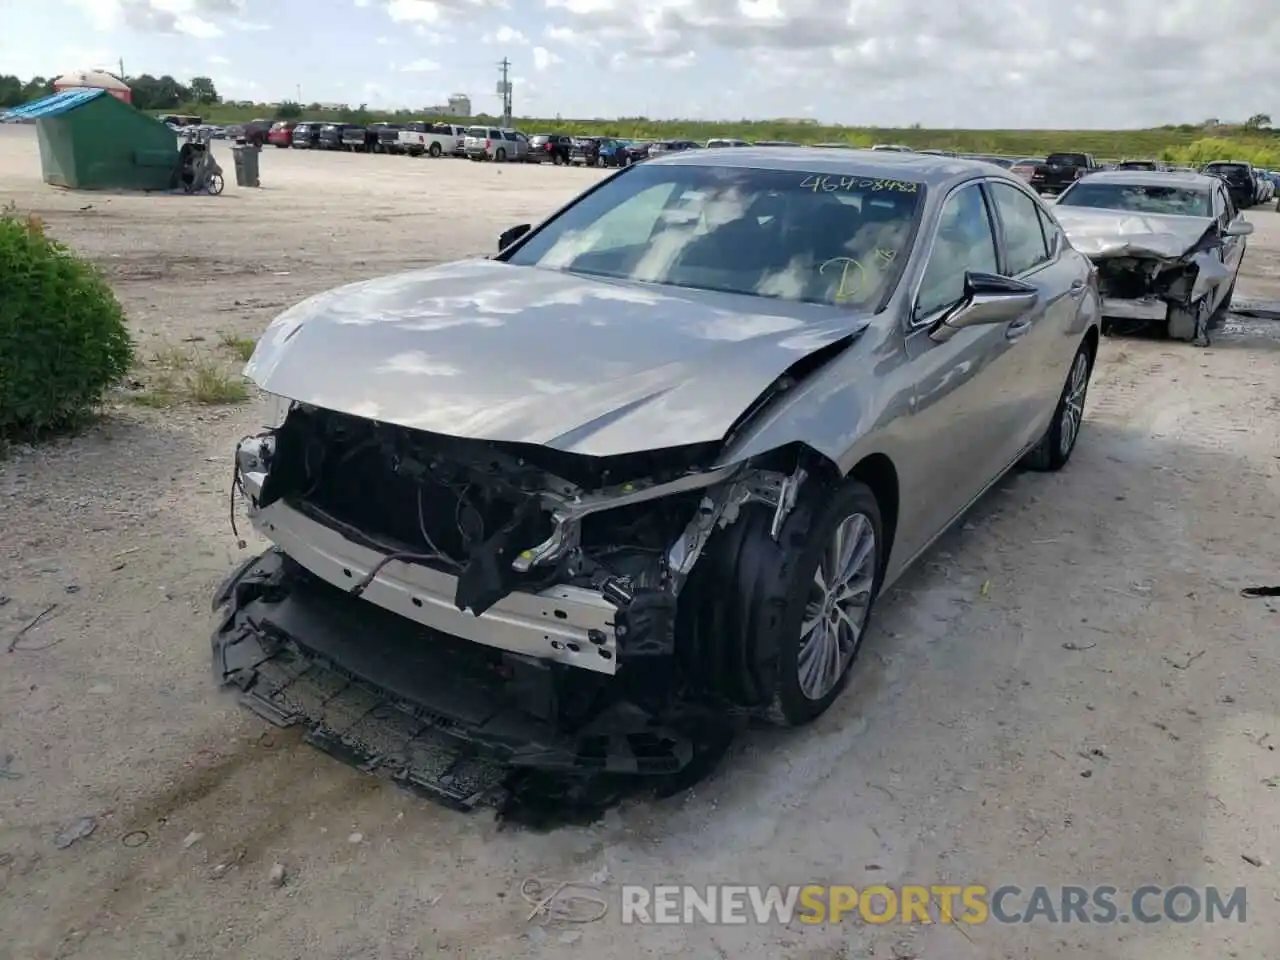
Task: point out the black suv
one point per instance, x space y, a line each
552 147
1238 176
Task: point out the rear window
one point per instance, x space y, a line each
1068 159
1236 168
1139 198
481 132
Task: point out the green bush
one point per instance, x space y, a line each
63 339
1261 153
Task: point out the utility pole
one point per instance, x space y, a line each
504 88
122 68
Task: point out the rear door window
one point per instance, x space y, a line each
1024 242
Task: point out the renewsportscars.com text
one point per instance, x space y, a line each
941 903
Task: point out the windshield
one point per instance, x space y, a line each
1239 169
1181 201
818 238
1068 159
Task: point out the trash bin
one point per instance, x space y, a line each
246 161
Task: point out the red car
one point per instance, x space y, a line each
281 133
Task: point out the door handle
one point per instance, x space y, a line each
1078 288
1017 328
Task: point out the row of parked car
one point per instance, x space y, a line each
1248 185
476 142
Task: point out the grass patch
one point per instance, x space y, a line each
175 376
241 347
207 382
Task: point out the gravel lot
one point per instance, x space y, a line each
1070 689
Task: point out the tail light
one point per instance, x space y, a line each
488 144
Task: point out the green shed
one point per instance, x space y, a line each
89 140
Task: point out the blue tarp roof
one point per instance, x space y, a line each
54 105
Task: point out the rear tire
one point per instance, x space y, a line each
500 155
1055 447
748 644
435 151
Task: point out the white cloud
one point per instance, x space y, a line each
569 36
505 35
382 41
945 64
421 65
193 18
218 60
544 58
414 11
999 64
436 11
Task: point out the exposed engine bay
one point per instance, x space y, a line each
1153 270
544 585
1139 293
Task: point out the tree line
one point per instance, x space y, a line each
149 93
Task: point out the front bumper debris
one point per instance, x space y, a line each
443 717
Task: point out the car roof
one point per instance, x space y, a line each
932 171
1152 178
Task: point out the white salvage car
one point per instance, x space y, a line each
1167 247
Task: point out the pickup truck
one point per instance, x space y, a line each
1061 170
433 139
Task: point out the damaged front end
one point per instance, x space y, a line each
447 609
1155 271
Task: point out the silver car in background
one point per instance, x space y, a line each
498 144
1167 246
651 463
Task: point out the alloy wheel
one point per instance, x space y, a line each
836 613
1073 404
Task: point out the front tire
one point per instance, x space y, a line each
1055 447
783 638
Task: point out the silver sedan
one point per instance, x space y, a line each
674 440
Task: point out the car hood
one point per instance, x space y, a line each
1121 233
486 350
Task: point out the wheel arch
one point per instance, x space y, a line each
1091 341
879 473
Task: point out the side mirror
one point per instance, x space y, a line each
1239 227
508 237
988 298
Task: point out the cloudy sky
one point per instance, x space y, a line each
976 63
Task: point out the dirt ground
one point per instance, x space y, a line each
1068 690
